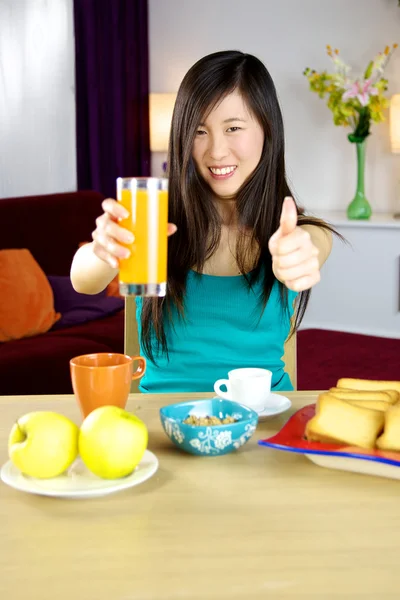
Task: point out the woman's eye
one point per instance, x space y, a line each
233 129
200 132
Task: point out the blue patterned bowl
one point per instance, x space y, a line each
208 440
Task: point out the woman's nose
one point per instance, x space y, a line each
218 148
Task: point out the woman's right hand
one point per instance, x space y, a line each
108 236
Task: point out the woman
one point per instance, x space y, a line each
240 249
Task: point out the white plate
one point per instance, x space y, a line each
280 405
366 467
78 482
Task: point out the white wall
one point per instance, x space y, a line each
288 35
359 289
37 104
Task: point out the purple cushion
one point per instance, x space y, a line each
80 308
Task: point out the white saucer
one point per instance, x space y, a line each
78 482
279 405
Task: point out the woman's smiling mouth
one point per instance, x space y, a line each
222 172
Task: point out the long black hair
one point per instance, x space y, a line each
191 201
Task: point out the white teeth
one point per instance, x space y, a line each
223 171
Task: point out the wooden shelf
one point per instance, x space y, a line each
377 220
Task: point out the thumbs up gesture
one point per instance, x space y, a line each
294 256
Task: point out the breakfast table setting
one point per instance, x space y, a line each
258 521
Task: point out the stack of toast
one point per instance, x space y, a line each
358 412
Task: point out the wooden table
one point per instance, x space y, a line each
249 525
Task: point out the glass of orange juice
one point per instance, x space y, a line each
144 272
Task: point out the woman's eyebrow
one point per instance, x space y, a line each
227 121
235 119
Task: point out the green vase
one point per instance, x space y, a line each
359 207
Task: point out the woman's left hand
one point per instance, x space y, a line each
294 256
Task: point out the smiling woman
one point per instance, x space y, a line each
226 149
240 253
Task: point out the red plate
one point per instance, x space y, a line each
291 439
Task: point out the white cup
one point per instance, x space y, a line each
248 386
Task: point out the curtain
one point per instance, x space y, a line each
112 87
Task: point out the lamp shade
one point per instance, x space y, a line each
395 123
161 108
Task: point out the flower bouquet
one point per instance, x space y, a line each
355 103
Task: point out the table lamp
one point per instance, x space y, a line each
395 139
161 109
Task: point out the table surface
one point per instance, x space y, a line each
257 523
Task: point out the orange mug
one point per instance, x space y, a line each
103 378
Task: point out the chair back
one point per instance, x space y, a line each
290 359
131 337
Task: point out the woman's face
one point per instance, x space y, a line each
228 146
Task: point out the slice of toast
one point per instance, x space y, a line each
368 384
373 404
364 395
317 437
344 423
390 438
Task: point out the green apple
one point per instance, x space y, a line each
112 442
43 444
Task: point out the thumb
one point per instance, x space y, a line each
288 221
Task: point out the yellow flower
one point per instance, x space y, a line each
355 110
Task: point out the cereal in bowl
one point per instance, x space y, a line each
208 421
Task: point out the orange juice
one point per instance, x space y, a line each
144 273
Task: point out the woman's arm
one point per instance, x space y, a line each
90 274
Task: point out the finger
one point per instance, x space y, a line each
288 220
273 240
307 267
110 245
296 240
103 255
172 228
120 234
107 229
101 222
114 209
123 235
303 283
296 257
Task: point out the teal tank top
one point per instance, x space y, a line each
222 329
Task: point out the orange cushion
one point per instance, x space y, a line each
26 301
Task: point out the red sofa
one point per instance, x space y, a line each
52 227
